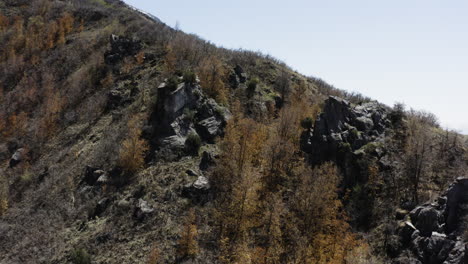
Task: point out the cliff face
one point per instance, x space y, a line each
125 141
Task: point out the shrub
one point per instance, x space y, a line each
3 205
172 83
212 74
154 256
193 143
190 77
188 244
252 85
307 123
189 115
80 256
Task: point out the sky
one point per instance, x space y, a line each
409 51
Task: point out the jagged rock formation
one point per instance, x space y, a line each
433 231
344 133
182 110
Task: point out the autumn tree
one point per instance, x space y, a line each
188 244
418 154
236 181
133 149
327 235
4 22
283 84
154 256
212 74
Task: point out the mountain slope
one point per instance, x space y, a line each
123 140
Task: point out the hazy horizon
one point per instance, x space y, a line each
411 52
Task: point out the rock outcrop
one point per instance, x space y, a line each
182 110
17 157
434 231
120 48
344 133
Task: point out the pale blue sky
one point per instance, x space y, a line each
410 51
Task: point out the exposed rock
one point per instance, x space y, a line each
345 133
123 206
434 249
120 48
456 194
17 157
233 79
182 111
209 128
121 96
91 175
400 214
406 231
406 260
190 172
142 210
435 235
100 207
206 161
425 220
458 255
103 179
198 191
240 74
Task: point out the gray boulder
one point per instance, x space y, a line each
425 220
435 236
198 191
142 210
17 157
209 128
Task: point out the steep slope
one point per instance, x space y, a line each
125 141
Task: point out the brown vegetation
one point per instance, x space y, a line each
134 148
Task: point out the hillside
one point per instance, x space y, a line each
123 140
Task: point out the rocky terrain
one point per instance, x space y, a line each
123 140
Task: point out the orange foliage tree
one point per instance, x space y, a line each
134 148
212 74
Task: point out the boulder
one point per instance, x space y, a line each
91 175
142 210
425 220
427 240
434 249
198 191
458 255
100 207
209 128
17 157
